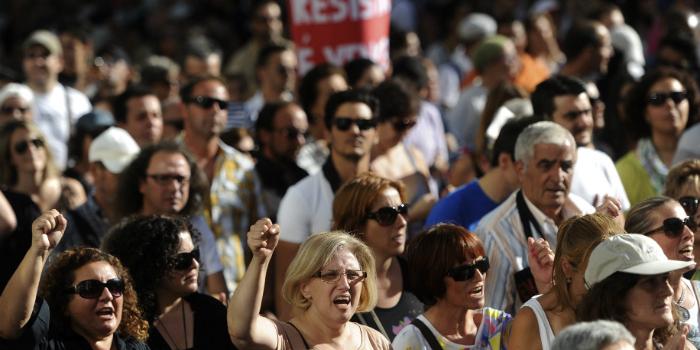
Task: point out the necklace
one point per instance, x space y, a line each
184 327
680 299
683 313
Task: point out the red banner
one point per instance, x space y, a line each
338 31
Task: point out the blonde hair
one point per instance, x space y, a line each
316 252
682 175
8 175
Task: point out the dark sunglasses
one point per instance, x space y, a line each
689 204
22 146
659 98
403 125
292 133
11 110
387 215
92 289
183 261
208 102
673 227
164 179
466 272
344 124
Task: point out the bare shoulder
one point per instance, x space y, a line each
524 331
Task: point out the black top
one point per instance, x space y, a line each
37 334
16 244
278 175
210 331
86 227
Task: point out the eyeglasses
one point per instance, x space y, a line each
11 110
344 124
292 133
333 276
92 289
208 102
164 179
404 124
387 215
22 146
659 98
466 272
673 227
689 204
183 261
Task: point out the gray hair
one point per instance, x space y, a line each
640 217
592 336
544 132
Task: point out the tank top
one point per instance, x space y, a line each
546 334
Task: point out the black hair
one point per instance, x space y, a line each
341 97
396 99
412 70
266 52
546 91
356 68
120 102
581 35
507 137
308 88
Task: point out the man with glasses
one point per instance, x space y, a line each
137 110
233 202
281 131
306 208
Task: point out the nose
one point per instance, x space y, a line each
478 275
106 295
688 234
343 281
666 289
401 221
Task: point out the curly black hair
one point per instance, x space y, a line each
146 245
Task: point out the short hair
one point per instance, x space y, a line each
683 43
267 51
157 70
349 96
681 175
130 200
60 275
120 102
308 87
8 174
397 100
432 253
315 253
544 132
593 335
354 201
505 142
636 100
201 48
576 239
159 236
640 217
581 35
186 90
266 118
546 91
411 69
356 68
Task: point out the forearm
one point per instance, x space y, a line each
18 297
244 307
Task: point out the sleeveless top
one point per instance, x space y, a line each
546 334
289 337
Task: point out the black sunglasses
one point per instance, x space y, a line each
689 204
466 272
344 124
183 261
164 179
659 98
673 227
92 289
404 124
22 146
387 215
208 102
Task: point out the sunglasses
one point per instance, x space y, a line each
292 133
403 125
344 124
92 289
208 102
689 204
11 110
183 261
22 146
164 179
466 272
333 276
673 227
386 216
659 98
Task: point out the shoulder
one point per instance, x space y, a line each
502 213
524 330
376 339
409 337
628 162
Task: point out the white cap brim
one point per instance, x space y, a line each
658 267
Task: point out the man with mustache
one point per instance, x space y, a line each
564 100
545 154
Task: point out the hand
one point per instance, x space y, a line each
541 260
612 207
72 194
47 230
679 340
263 237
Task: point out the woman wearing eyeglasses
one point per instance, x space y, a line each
85 300
666 222
162 254
683 185
657 110
331 277
372 209
393 160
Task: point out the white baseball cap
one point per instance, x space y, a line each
115 148
631 253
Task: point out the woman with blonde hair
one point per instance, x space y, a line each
543 317
331 278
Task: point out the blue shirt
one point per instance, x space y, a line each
465 206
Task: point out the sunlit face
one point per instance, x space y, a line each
469 293
670 117
95 318
386 241
352 143
27 151
144 120
546 178
675 248
335 302
574 113
162 191
40 66
692 189
182 282
648 304
204 122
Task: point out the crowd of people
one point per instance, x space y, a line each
524 175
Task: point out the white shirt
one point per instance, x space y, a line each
688 145
595 176
306 209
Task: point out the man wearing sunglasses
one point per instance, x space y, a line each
306 208
545 154
233 202
565 101
281 131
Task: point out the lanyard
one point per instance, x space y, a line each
526 217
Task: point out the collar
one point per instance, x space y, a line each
568 210
538 214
